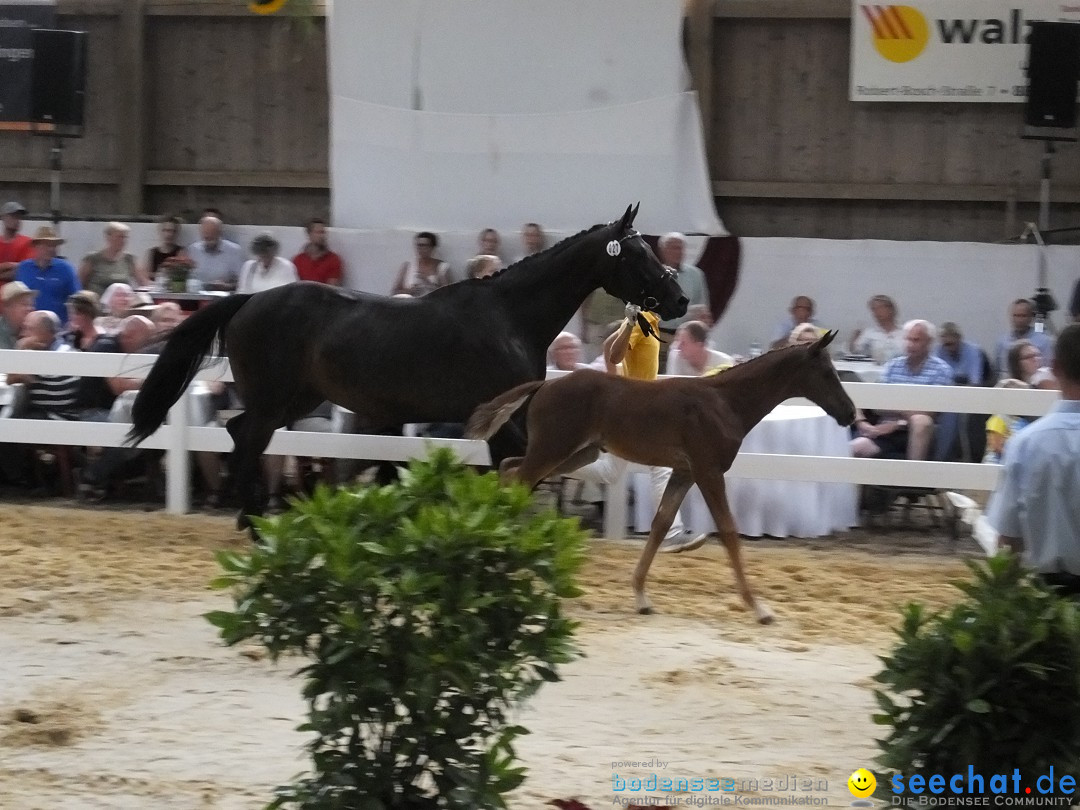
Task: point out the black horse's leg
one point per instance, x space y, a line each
251 434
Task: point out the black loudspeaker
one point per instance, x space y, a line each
58 82
1053 69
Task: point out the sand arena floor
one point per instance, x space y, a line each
116 694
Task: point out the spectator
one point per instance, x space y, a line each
218 261
804 333
1024 363
489 242
167 248
885 339
116 304
691 356
53 278
672 253
315 261
112 264
18 302
166 316
1022 315
424 273
964 358
83 309
483 266
1000 427
801 311
564 354
14 246
267 270
51 396
1035 509
907 434
532 238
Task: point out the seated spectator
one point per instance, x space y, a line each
167 248
803 333
905 434
112 264
1025 363
885 339
483 266
53 278
564 354
116 303
690 356
964 358
16 302
83 309
50 396
315 261
15 247
267 270
801 311
489 243
532 238
218 261
424 273
99 399
703 313
1022 315
166 316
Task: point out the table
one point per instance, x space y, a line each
188 302
866 370
774 507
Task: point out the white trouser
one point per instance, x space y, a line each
608 468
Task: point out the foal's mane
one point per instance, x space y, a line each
547 253
755 365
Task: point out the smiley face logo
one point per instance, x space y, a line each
861 783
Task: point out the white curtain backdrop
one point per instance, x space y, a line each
453 115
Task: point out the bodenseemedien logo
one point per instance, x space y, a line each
899 33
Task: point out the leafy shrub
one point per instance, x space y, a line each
427 609
992 683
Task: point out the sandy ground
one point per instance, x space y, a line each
115 693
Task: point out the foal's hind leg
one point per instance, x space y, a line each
678 485
715 492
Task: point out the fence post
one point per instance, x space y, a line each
177 460
615 505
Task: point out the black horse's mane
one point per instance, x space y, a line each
546 253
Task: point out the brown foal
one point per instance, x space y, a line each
694 425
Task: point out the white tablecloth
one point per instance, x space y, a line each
867 371
773 507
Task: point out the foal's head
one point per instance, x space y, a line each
817 381
635 275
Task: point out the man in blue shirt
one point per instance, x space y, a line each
1035 508
1022 315
54 279
966 361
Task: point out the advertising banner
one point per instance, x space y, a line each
17 19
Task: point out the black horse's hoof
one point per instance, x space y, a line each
645 611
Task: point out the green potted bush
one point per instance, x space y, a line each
426 610
991 684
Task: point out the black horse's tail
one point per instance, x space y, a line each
184 354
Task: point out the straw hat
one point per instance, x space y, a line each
47 234
13 289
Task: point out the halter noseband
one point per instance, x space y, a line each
648 302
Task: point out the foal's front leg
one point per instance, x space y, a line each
674 493
716 497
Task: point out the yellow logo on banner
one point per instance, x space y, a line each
900 33
266 6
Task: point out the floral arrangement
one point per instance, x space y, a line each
176 270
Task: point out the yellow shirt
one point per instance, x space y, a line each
642 361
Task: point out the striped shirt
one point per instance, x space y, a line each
934 371
55 395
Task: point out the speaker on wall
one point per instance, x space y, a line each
1053 69
58 82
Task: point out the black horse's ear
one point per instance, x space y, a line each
627 218
633 214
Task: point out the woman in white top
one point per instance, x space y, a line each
267 270
885 339
424 273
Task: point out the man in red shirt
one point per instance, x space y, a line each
14 246
316 262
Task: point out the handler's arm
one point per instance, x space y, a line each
615 345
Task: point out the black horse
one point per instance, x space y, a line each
398 360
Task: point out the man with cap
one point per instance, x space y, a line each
54 279
14 246
18 302
267 270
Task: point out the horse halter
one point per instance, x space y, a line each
648 302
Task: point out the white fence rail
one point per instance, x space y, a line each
177 437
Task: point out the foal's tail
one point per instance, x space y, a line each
491 416
184 354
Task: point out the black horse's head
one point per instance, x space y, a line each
635 275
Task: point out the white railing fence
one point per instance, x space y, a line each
178 437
